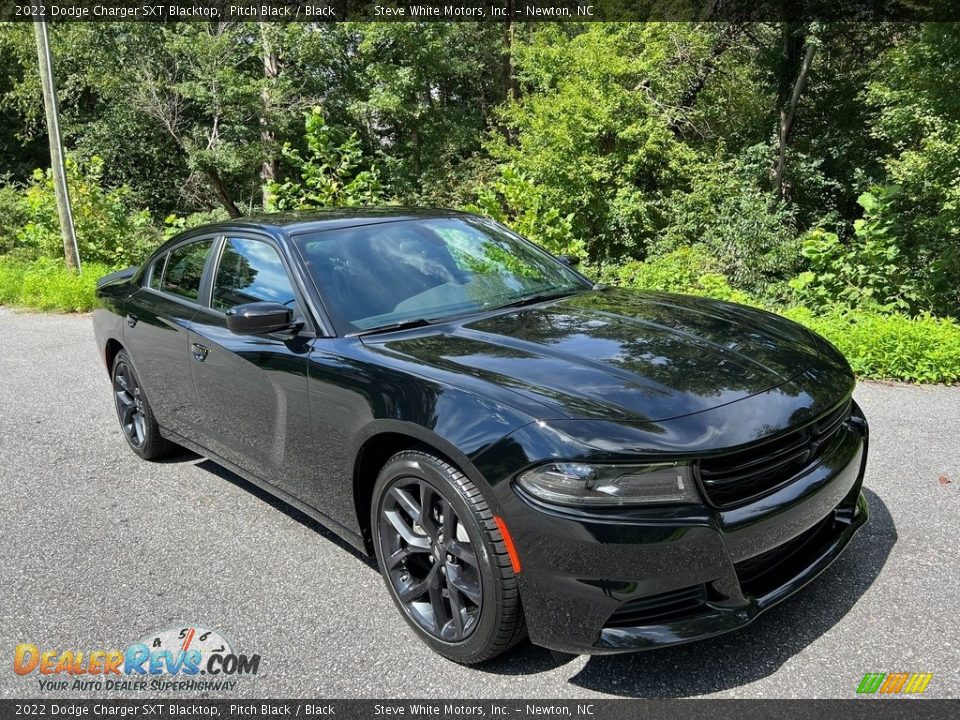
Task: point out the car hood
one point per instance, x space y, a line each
627 355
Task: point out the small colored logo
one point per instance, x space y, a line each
894 683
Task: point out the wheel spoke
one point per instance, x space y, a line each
406 532
138 426
404 553
407 503
456 579
413 591
435 581
128 413
463 552
122 380
449 519
131 379
457 611
426 506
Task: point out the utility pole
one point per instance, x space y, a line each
70 252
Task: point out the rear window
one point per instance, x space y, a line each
185 269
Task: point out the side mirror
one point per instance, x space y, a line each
259 318
569 260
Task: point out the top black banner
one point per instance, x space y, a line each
321 11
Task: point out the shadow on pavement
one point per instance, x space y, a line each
280 505
759 649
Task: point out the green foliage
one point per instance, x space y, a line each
689 270
913 92
922 349
109 230
515 201
429 90
868 272
727 209
47 285
174 224
12 216
333 174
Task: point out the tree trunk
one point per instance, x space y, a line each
788 108
223 194
270 169
509 80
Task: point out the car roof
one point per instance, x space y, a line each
296 223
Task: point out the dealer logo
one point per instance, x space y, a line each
181 652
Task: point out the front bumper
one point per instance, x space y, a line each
637 579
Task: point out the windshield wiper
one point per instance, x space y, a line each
537 298
402 325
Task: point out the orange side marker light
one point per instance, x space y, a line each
508 541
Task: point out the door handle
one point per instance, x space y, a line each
199 352
131 319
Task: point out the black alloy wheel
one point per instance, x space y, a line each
133 411
430 560
443 558
126 391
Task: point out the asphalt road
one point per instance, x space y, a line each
99 547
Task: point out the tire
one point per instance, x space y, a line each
137 422
453 566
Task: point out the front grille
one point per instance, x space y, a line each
740 477
656 609
765 572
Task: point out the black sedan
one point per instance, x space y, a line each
524 452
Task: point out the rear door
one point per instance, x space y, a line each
252 389
157 318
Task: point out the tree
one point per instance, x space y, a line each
917 117
330 174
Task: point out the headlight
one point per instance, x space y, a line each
584 484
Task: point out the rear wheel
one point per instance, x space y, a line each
134 413
443 558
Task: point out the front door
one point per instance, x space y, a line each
252 389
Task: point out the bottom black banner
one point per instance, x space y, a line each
875 709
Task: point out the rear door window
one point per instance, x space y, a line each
184 272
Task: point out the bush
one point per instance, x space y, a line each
688 270
333 174
512 199
108 229
47 285
868 273
922 349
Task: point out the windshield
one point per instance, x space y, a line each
393 272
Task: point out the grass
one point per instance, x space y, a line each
46 285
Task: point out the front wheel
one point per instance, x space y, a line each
444 559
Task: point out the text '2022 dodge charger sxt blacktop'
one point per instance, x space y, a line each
524 452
